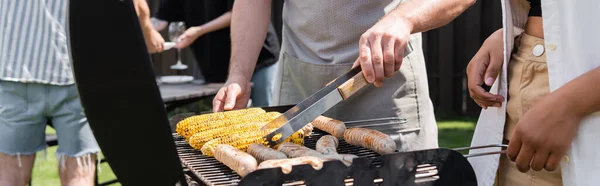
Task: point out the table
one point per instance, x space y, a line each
175 95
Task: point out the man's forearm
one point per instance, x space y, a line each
218 23
424 15
249 24
143 12
581 94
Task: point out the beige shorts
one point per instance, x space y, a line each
527 84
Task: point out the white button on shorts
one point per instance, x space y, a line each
538 50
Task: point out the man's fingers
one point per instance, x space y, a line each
233 91
399 55
365 60
524 157
389 59
514 146
377 59
539 160
219 100
553 161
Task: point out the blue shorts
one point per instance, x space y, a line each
26 108
263 83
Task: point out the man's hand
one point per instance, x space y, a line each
189 36
154 41
381 48
235 94
486 64
544 134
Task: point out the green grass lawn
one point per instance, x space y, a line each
455 133
452 134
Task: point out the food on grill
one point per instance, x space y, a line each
200 138
370 139
308 129
242 140
294 150
191 125
327 145
264 153
344 158
331 126
232 121
237 160
286 164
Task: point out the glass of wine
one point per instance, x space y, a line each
176 29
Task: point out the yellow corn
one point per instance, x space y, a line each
198 139
224 124
183 125
243 140
255 116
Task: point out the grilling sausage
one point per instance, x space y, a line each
237 160
286 164
327 145
370 139
263 153
294 150
331 126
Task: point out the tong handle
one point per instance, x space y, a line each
503 146
353 85
357 82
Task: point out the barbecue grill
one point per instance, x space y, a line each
428 167
124 108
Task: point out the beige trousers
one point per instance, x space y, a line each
527 84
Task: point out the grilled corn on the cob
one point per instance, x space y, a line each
182 126
243 140
198 139
209 125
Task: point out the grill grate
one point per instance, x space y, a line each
212 172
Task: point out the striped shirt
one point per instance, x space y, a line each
33 42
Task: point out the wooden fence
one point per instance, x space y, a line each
447 52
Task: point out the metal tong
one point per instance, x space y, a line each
503 151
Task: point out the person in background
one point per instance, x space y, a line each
208 35
324 39
154 41
544 103
36 88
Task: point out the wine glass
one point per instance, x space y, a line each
176 29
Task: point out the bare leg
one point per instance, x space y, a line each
77 171
13 174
